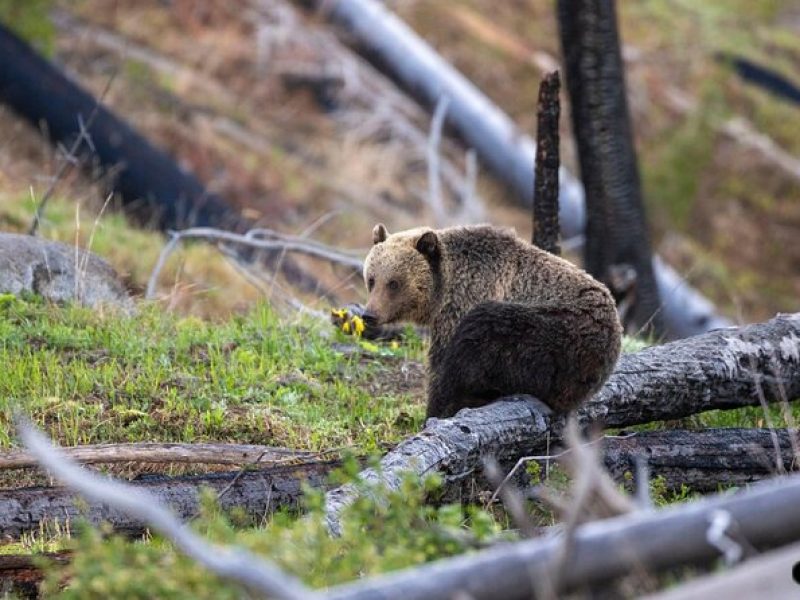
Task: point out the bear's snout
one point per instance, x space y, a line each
370 318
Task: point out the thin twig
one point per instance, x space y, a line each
280 242
71 158
512 499
549 457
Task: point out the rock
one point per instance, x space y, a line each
47 268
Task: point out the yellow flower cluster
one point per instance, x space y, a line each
349 323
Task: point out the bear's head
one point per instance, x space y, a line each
400 272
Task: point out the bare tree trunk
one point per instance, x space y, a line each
616 228
545 184
722 369
257 493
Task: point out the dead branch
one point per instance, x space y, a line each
71 158
234 564
766 515
252 239
435 200
717 370
150 452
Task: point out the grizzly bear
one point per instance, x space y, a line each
505 316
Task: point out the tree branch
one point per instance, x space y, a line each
151 452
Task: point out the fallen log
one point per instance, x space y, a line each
507 152
705 461
149 182
722 369
21 574
765 517
257 492
151 452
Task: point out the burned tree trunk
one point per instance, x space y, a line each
545 184
705 461
617 249
148 181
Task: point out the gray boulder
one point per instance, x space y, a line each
59 274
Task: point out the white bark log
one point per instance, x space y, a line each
766 516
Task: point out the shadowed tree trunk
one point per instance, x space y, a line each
617 241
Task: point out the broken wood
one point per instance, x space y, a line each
722 369
150 452
548 162
765 516
256 492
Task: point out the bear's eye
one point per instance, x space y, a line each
394 285
370 283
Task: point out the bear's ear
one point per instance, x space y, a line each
428 245
379 233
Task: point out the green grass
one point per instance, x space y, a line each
90 378
30 20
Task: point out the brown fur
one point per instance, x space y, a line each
505 317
